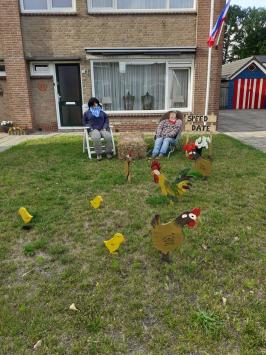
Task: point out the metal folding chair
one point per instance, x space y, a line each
175 145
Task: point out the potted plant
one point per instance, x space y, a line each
5 125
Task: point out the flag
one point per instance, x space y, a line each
218 25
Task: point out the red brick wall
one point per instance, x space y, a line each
3 101
19 105
145 123
203 28
43 104
68 35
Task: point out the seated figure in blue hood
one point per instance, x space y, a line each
97 123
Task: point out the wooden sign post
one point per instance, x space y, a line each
200 123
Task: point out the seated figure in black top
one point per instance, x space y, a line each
97 123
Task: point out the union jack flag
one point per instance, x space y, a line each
218 25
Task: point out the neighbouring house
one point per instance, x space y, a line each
243 84
140 58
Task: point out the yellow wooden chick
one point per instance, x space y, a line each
25 215
96 202
114 243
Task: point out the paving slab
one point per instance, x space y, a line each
255 139
248 126
242 120
7 141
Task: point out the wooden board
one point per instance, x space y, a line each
200 124
167 237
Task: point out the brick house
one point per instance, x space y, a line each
139 57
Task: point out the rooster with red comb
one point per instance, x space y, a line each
174 189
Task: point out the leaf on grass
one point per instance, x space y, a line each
37 345
73 307
224 300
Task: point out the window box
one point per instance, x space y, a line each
47 6
140 6
142 86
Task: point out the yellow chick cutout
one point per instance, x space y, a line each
114 243
96 202
25 215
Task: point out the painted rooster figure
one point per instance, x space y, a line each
167 237
203 165
174 189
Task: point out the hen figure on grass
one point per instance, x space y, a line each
174 189
203 165
167 237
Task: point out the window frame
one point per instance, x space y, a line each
48 72
50 9
169 64
2 73
113 9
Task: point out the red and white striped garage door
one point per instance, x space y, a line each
249 94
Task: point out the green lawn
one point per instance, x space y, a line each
130 303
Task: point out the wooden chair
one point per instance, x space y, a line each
88 144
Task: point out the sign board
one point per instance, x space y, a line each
200 123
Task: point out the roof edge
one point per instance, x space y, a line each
252 60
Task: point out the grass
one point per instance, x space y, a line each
130 303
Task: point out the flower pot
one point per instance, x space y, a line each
5 129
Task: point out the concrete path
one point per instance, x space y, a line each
255 139
242 120
7 141
248 126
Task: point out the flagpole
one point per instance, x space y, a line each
209 63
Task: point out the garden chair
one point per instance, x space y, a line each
88 143
175 145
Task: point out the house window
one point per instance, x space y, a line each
47 6
178 87
40 69
252 67
2 70
140 5
141 86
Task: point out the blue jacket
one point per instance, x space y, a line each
92 122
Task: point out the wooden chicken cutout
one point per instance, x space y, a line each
202 165
127 167
25 215
174 189
96 202
155 166
169 236
114 243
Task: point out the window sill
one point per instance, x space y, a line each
47 76
143 113
74 13
136 12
